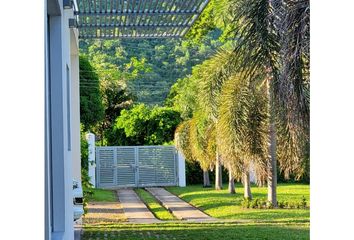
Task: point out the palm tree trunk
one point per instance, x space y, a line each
272 160
247 185
218 173
231 182
272 168
206 180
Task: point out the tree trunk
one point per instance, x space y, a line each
272 160
231 182
206 180
247 185
272 168
102 132
218 173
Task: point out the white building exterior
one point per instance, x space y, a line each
62 117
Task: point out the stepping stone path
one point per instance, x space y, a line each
134 209
179 208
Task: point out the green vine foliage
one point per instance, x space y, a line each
85 179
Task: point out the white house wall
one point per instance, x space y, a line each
62 122
47 165
75 103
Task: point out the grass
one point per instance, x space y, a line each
240 224
199 231
159 211
102 195
221 204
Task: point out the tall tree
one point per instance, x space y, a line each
183 143
242 125
201 142
144 125
272 37
115 98
214 71
91 107
231 188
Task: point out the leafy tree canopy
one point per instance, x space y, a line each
144 125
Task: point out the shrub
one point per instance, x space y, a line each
245 203
85 179
86 188
269 205
264 204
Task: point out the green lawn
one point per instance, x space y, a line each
221 204
200 231
102 195
159 211
240 224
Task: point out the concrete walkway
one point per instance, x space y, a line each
179 208
134 209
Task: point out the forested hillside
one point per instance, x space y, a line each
149 67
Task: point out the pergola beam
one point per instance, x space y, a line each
133 37
137 18
132 25
127 13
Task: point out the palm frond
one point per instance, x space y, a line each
198 141
213 73
242 126
293 86
256 40
182 140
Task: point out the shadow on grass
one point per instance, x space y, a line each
268 215
197 231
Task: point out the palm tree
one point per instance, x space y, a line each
272 38
243 121
199 144
231 188
183 144
294 78
213 73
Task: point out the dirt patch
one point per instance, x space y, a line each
104 213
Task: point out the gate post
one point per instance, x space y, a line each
91 158
181 169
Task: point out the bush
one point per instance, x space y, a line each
245 203
264 204
87 188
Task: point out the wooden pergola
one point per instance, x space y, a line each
136 18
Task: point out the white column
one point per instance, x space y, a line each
91 158
75 105
181 170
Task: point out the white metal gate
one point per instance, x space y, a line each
136 166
